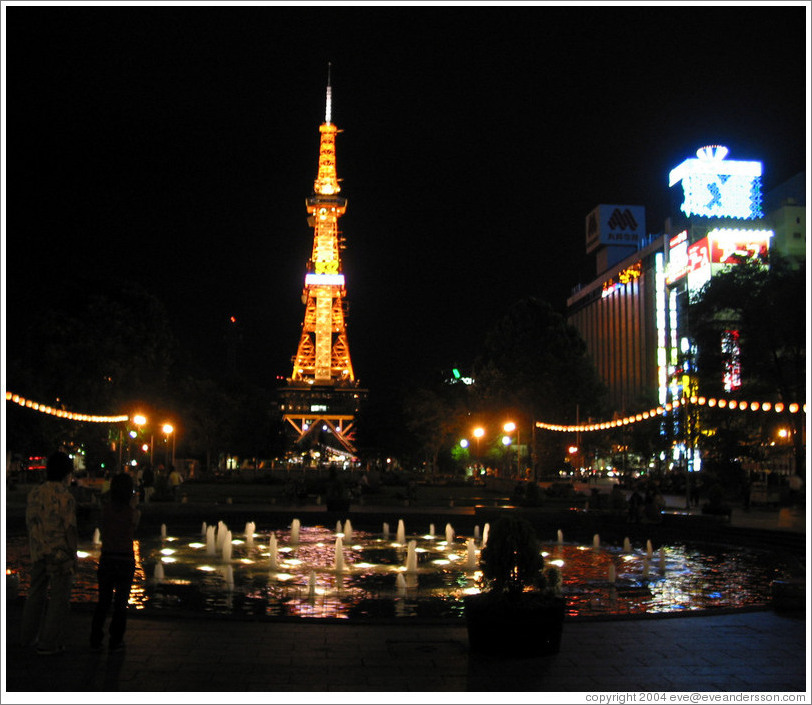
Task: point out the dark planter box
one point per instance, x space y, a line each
524 627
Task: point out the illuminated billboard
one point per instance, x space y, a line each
677 258
715 187
615 225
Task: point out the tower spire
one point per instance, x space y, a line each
329 102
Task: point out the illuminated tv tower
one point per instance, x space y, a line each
322 395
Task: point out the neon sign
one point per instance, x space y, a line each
716 188
728 244
731 355
677 258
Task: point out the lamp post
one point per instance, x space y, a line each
510 427
168 429
141 420
478 432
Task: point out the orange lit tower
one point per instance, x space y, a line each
322 397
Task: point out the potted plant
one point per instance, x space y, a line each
521 610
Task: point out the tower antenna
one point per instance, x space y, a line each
328 108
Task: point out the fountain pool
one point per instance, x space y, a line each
341 572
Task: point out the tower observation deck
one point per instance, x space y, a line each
321 398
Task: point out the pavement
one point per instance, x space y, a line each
202 657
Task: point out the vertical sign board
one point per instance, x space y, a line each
615 225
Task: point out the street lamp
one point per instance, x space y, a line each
478 433
141 420
168 429
510 427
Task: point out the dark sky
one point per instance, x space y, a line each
175 146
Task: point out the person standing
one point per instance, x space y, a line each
53 536
149 483
175 481
117 562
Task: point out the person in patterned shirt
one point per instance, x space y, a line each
52 537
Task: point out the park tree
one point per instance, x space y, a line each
762 308
535 363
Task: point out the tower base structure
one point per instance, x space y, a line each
322 418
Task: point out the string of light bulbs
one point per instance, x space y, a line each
731 404
61 413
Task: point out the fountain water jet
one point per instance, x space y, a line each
211 543
476 532
662 560
649 549
159 571
339 555
96 537
250 528
348 530
163 531
411 557
431 530
560 536
203 529
612 574
295 525
273 549
311 585
229 576
449 534
401 535
485 533
470 563
400 582
596 541
227 547
627 545
385 530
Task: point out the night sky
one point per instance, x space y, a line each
174 146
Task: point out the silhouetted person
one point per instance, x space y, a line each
50 517
117 562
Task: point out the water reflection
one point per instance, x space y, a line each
369 578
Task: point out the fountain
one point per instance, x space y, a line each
649 549
203 529
295 525
96 537
431 530
339 528
221 535
273 552
627 545
385 530
411 557
250 528
401 535
560 536
470 563
348 531
311 585
227 547
211 542
596 541
163 531
270 577
612 574
485 533
229 576
339 555
476 532
449 534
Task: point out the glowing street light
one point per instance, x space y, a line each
478 432
167 428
